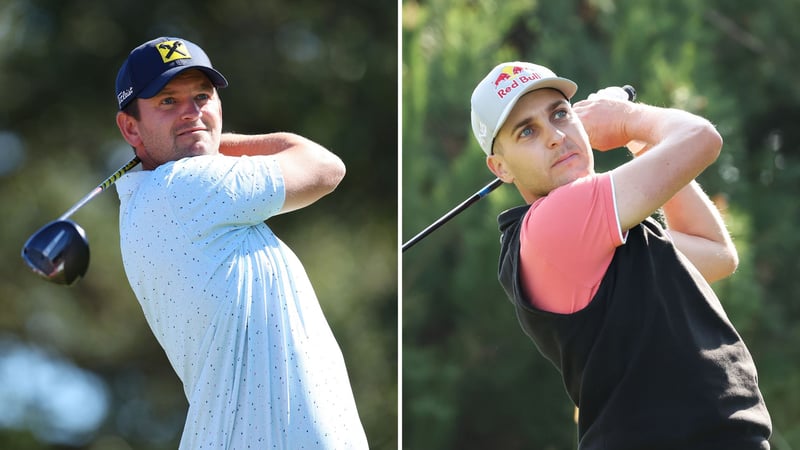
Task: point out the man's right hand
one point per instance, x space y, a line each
605 116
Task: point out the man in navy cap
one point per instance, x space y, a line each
228 301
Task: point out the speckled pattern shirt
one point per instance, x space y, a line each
233 308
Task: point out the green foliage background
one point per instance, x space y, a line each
471 380
324 70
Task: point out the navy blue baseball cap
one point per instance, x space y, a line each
150 66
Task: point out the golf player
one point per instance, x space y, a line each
228 301
620 304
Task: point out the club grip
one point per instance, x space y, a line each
631 92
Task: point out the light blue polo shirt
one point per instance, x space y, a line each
233 308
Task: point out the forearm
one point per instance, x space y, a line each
309 170
699 232
233 144
679 147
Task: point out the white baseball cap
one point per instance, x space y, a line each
495 96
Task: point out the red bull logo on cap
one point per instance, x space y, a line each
512 77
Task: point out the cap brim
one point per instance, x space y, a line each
158 84
563 85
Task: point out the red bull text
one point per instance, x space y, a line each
518 77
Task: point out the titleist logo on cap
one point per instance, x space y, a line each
123 95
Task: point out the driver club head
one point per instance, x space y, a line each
58 252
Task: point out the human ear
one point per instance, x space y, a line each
497 165
129 128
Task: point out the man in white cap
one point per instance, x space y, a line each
620 304
228 301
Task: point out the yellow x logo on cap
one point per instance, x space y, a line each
172 50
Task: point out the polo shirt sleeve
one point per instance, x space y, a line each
226 190
567 241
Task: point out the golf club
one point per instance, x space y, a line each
59 251
478 195
453 212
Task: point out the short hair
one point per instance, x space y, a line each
132 109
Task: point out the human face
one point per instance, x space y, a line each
183 119
542 145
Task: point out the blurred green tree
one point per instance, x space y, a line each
471 380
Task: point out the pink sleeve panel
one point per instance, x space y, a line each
567 241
